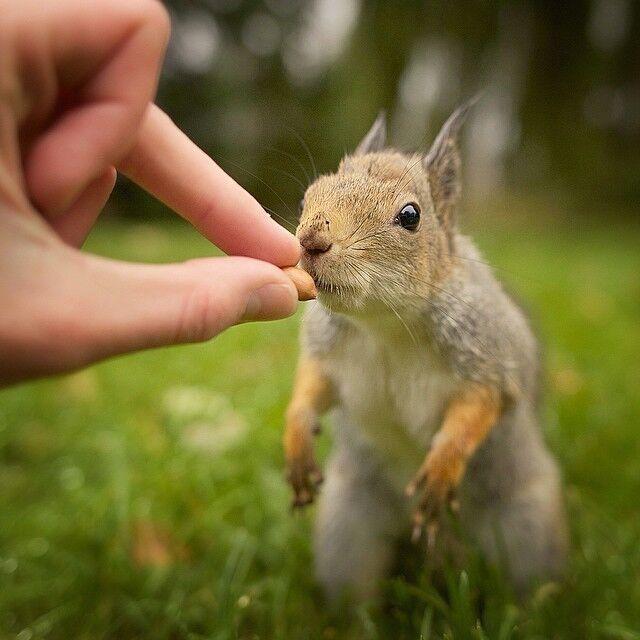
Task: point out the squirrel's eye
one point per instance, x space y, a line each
409 217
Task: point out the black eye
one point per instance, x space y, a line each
409 217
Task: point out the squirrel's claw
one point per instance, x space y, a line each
438 495
419 479
429 512
315 477
303 474
431 529
301 499
305 478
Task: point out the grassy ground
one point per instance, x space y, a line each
144 498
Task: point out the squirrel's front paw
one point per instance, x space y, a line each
437 480
303 473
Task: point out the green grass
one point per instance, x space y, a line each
176 453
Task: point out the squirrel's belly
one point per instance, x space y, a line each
392 401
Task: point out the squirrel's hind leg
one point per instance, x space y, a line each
526 532
357 527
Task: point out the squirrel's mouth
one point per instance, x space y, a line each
332 288
330 285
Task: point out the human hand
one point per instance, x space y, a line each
77 80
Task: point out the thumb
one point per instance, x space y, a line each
135 306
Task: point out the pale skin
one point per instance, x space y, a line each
468 419
77 83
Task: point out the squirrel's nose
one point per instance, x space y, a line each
315 243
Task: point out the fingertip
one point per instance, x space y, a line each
273 244
289 250
292 252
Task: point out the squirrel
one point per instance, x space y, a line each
430 371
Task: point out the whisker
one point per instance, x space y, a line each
408 165
407 169
402 322
375 234
282 219
495 267
292 157
353 233
264 182
357 276
483 347
306 149
404 186
288 175
439 289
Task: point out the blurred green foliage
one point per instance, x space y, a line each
253 81
145 497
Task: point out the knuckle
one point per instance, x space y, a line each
196 321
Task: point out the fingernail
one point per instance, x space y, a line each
271 302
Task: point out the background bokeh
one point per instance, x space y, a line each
144 497
247 79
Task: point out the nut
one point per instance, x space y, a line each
303 282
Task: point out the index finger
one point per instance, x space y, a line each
167 164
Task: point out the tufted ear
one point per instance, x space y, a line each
376 138
443 165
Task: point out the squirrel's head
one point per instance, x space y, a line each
377 234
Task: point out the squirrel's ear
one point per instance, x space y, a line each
443 164
376 138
